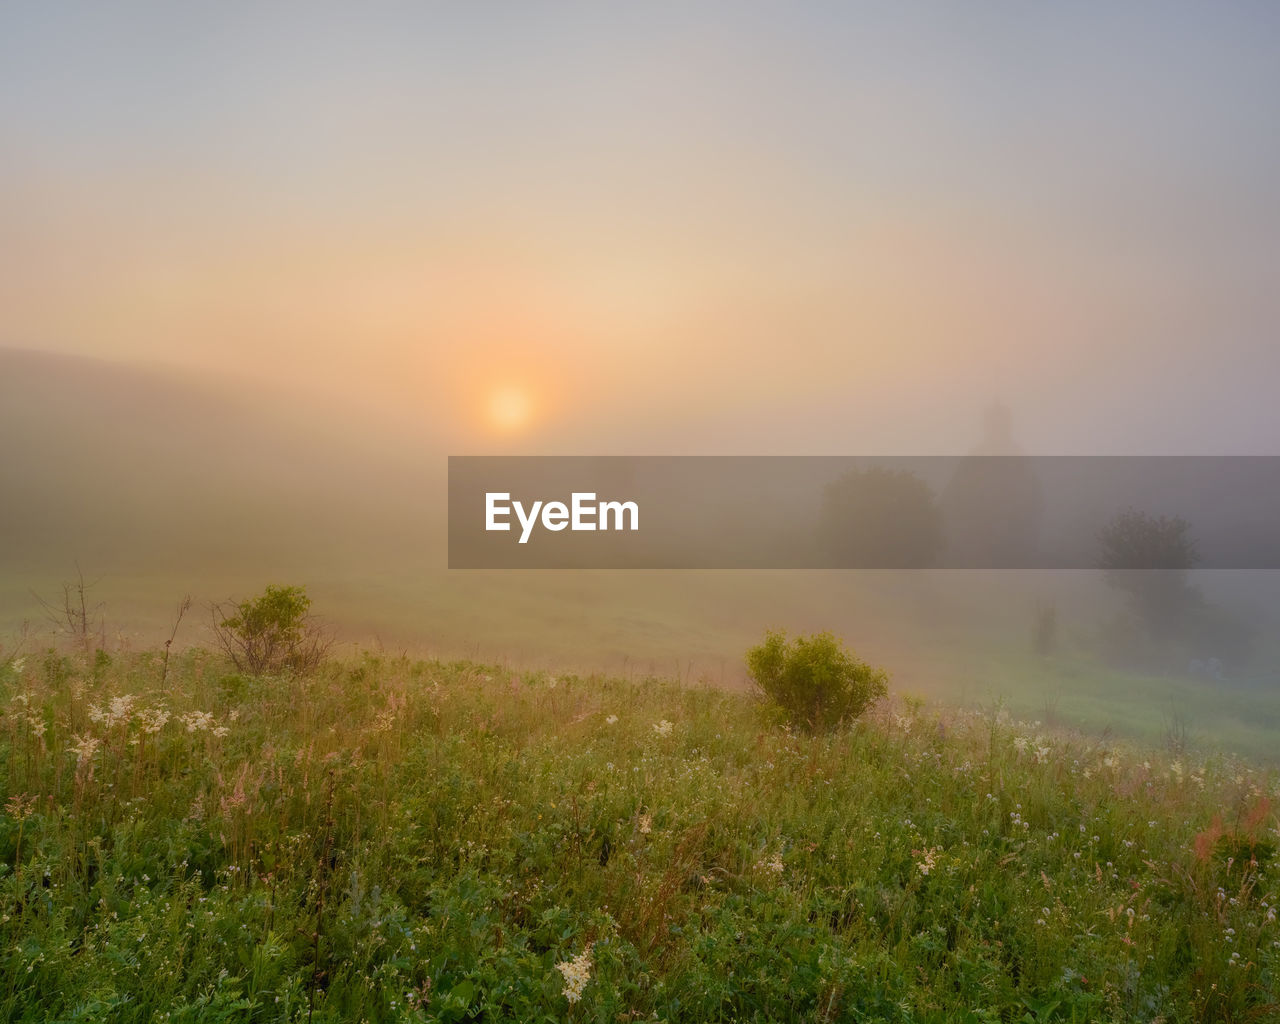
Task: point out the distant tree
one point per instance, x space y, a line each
880 518
1045 633
993 505
1150 558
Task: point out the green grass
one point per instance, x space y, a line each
958 638
408 840
1080 692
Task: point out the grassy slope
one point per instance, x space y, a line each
409 841
962 639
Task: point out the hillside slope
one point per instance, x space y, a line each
126 466
399 841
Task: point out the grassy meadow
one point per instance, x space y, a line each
401 840
955 638
814 284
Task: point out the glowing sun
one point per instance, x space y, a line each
509 408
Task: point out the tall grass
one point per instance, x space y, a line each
395 840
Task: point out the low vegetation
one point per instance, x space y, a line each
273 632
816 683
388 840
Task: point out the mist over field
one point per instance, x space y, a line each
958 697
158 482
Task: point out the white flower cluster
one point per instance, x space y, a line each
153 719
23 713
772 864
663 728
119 710
577 972
84 748
197 721
203 721
1039 747
124 709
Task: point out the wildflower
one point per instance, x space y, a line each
153 719
20 806
929 859
663 728
116 712
17 665
84 748
122 707
646 824
197 721
611 720
576 972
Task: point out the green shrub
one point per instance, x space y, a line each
815 680
274 632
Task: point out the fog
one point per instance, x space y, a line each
264 271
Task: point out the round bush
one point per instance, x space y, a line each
815 680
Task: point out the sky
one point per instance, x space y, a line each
755 228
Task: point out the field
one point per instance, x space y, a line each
406 840
988 302
956 638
